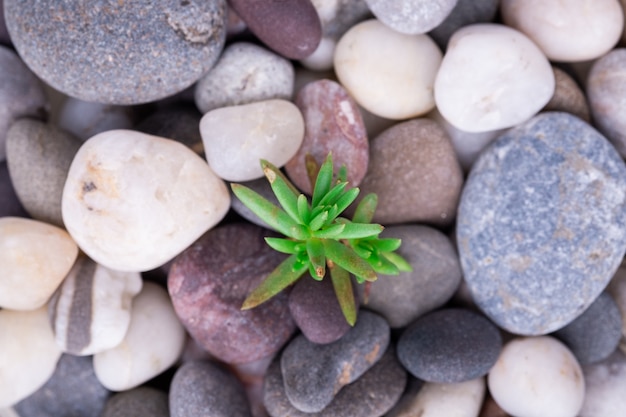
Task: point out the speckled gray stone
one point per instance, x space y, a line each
411 16
121 52
9 203
542 223
137 402
466 12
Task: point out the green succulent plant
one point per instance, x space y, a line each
317 239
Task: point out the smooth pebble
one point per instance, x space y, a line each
605 385
465 13
138 402
568 96
85 119
617 289
411 16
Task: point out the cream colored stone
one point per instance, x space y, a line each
133 201
34 259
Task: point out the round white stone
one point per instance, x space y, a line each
605 387
537 377
322 58
388 73
133 201
236 138
28 354
154 342
451 400
492 77
567 31
34 259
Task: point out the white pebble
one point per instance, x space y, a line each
322 58
605 395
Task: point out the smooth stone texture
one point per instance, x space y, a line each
28 354
568 97
90 312
180 123
85 119
39 157
154 342
34 259
449 346
236 138
536 377
492 77
491 408
333 123
571 31
596 333
261 186
311 387
72 391
10 205
541 226
388 73
465 13
205 389
371 395
435 277
322 58
605 385
617 289
208 284
166 46
138 402
134 201
605 91
293 32
414 171
411 16
245 73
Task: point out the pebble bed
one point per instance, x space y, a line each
492 131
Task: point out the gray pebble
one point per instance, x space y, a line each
85 119
337 16
138 402
411 16
10 205
466 12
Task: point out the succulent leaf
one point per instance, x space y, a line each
287 197
304 211
284 245
324 180
364 212
318 221
315 250
346 199
386 244
333 195
343 290
346 258
331 232
398 261
360 231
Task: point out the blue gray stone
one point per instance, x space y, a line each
138 402
411 16
542 223
466 12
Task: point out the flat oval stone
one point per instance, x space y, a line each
134 201
34 259
236 138
465 13
138 402
333 123
166 46
90 312
10 205
605 384
245 73
568 97
411 16
209 282
85 119
543 194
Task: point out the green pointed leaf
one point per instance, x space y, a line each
386 244
324 180
401 263
383 266
285 192
346 258
304 211
318 221
285 245
361 250
330 232
348 198
332 215
333 195
364 212
315 250
266 164
312 168
360 231
343 290
342 175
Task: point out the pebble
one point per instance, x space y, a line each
578 30
39 156
414 171
245 73
85 119
236 138
310 387
208 283
482 84
72 391
605 89
449 346
465 13
28 354
435 277
180 123
134 201
138 402
537 376
526 196
154 342
617 289
90 312
411 16
293 32
261 186
118 53
605 385
34 259
333 123
491 408
202 388
596 333
371 395
568 97
10 204
389 73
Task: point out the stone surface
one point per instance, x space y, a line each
167 46
28 354
311 387
541 226
261 186
482 84
389 73
34 259
90 312
411 16
465 13
245 73
10 204
134 201
85 119
180 123
138 402
578 30
617 289
414 171
568 96
205 389
39 157
208 284
332 123
537 376
605 384
72 391
154 342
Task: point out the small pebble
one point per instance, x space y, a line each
138 402
465 13
10 205
180 123
568 96
605 385
411 16
85 119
